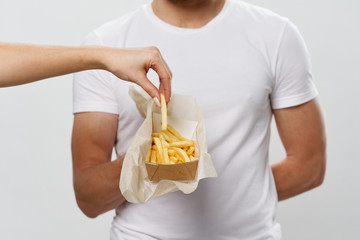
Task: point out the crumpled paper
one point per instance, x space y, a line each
134 183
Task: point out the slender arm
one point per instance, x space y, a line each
21 64
302 132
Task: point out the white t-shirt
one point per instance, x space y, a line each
241 65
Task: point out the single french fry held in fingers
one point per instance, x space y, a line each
163 113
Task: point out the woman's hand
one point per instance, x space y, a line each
132 64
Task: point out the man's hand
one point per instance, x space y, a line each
132 64
302 132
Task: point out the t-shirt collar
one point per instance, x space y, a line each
150 13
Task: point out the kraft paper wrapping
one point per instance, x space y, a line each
134 183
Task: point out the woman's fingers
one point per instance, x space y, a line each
161 68
150 88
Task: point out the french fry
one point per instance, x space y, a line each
182 154
173 159
181 144
166 156
158 159
153 156
175 133
171 153
161 136
167 137
163 113
179 158
164 144
191 150
179 161
170 136
159 149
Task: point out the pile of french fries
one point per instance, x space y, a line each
168 146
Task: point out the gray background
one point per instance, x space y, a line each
36 196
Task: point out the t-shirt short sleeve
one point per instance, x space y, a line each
93 89
293 79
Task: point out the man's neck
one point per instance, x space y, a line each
187 13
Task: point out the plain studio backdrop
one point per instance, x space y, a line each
36 194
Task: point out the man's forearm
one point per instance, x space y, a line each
97 188
294 176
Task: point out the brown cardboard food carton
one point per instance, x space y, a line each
176 172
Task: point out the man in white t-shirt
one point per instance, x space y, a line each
243 64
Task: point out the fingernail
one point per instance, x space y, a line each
156 101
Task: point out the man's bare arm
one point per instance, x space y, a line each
302 132
96 177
